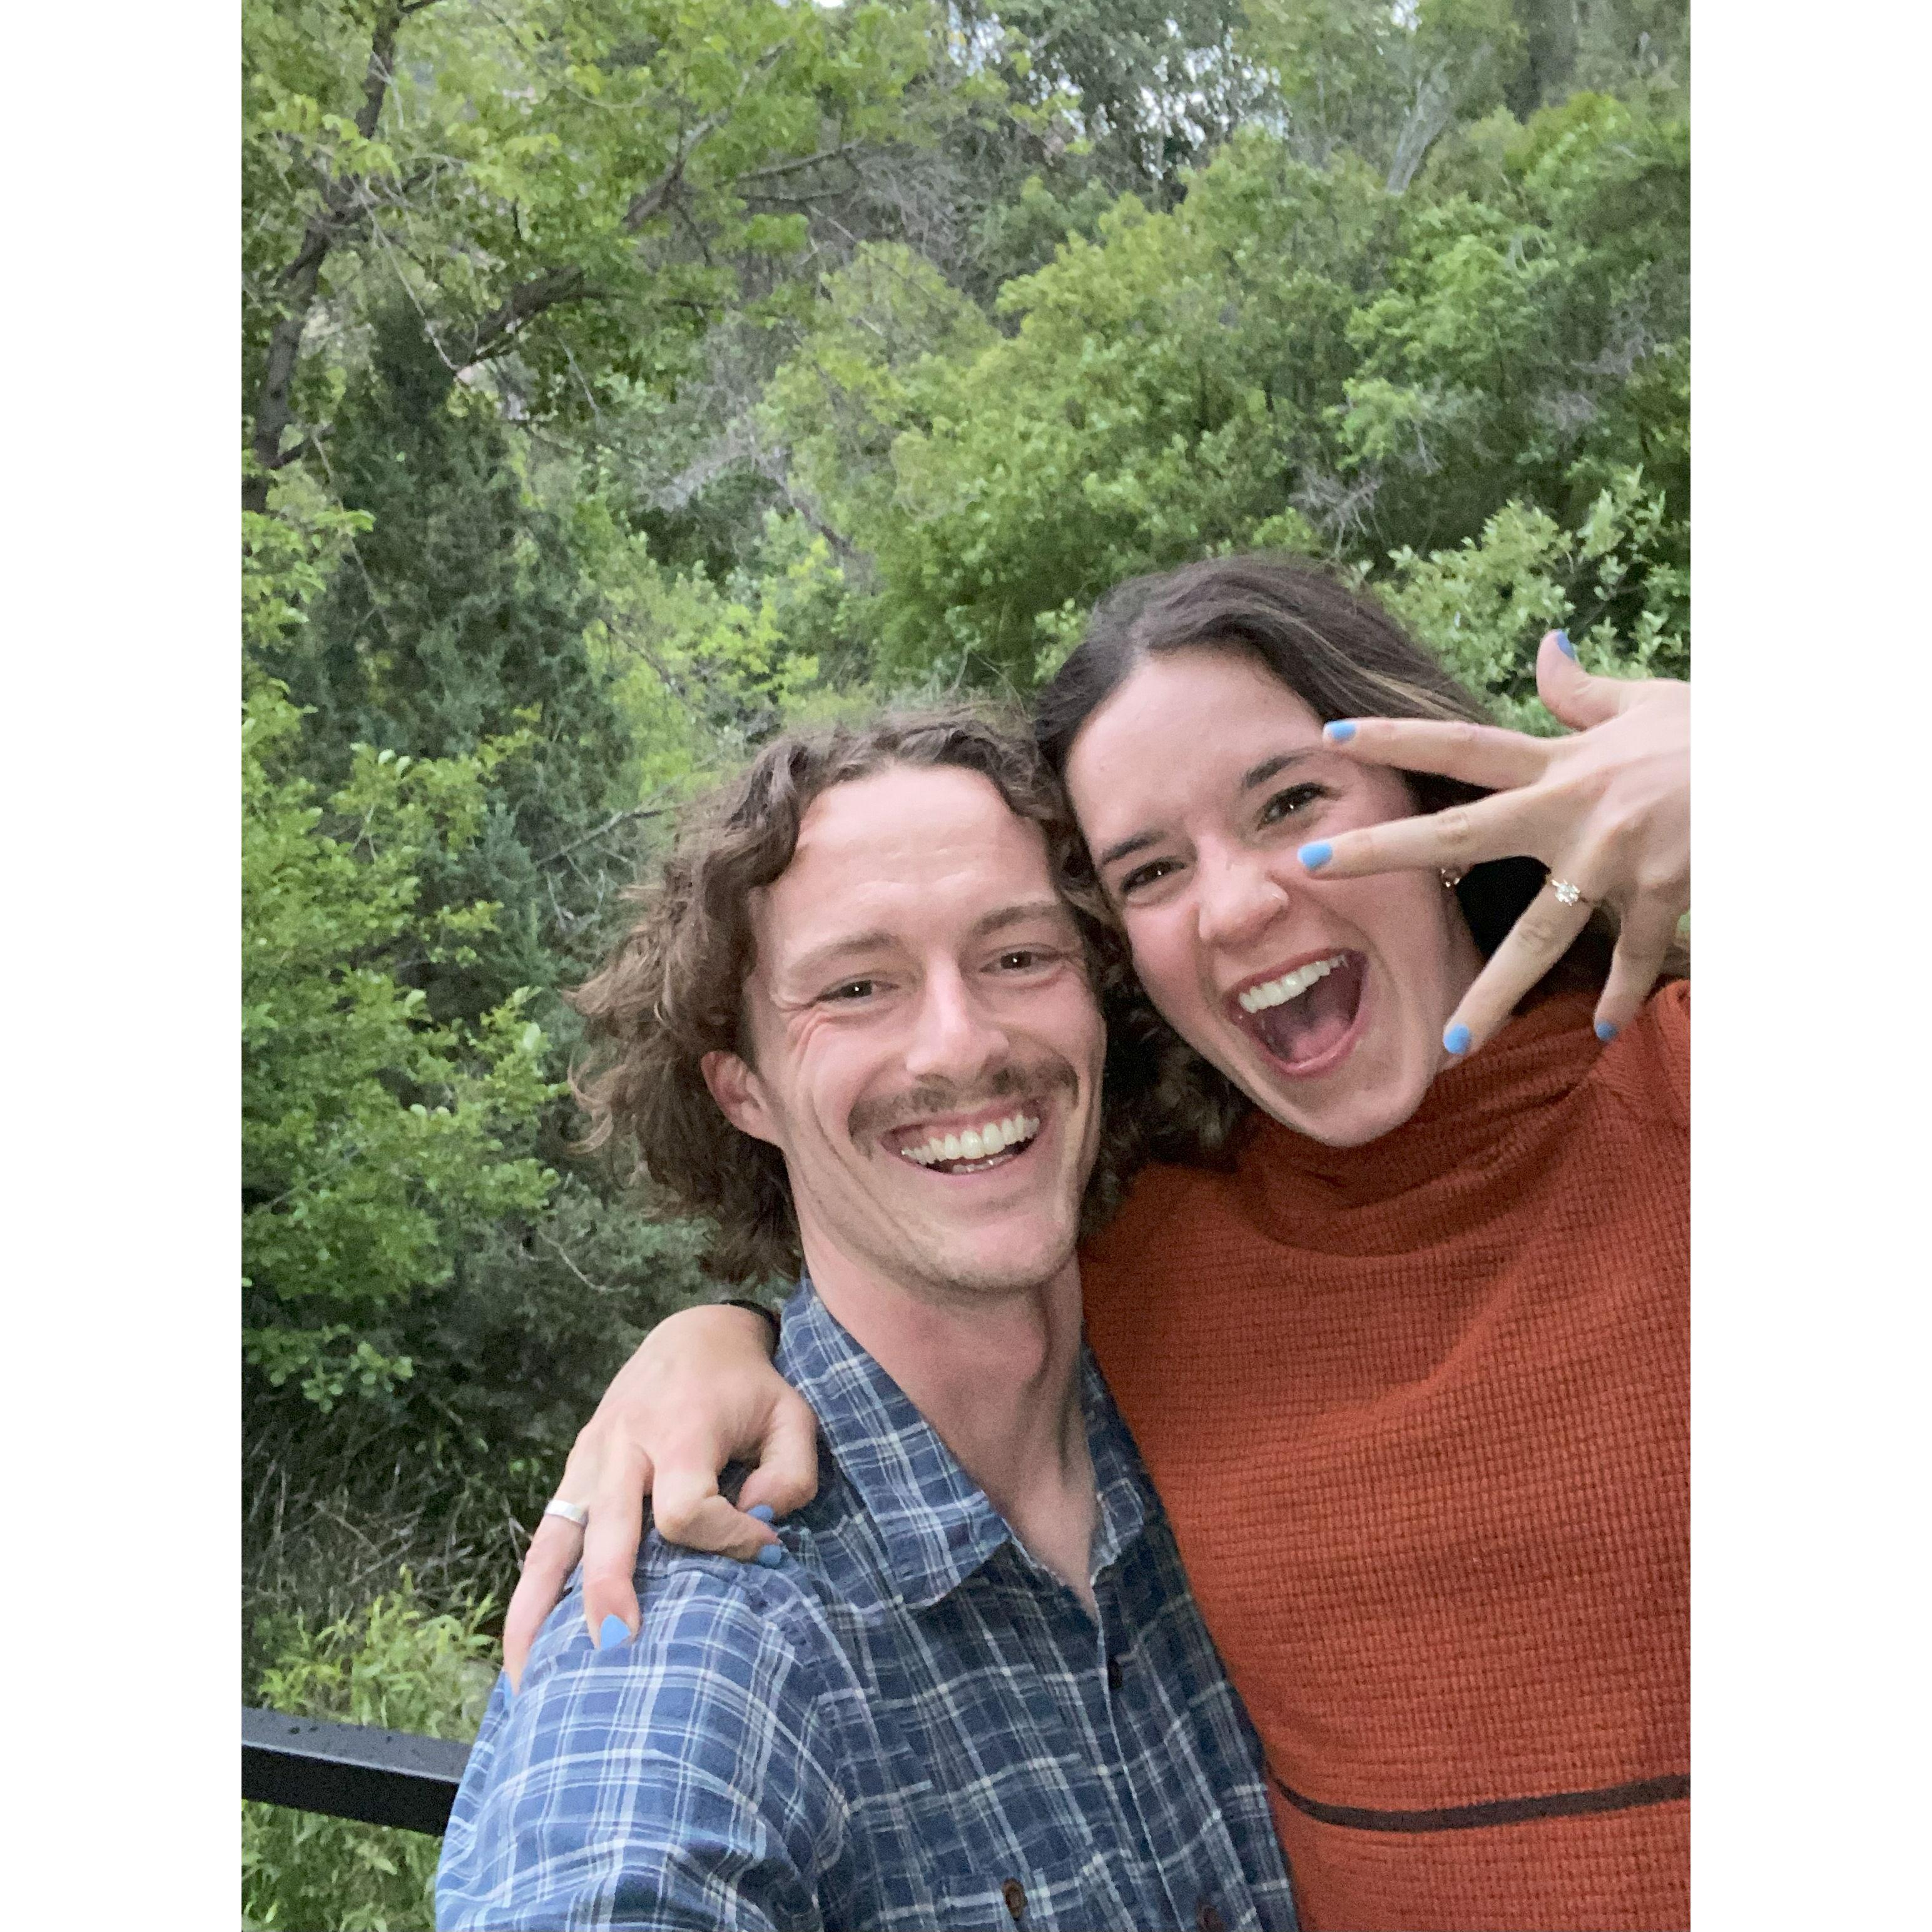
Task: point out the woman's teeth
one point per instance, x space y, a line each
1290 986
976 1143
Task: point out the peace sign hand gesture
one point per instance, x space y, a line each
1606 809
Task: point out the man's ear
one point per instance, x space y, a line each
739 1095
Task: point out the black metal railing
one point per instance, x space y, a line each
350 1771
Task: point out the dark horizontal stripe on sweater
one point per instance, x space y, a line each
1494 1810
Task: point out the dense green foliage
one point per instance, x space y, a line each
622 379
396 1666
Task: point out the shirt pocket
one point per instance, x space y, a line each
1072 1897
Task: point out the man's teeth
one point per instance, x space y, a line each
976 1143
1290 986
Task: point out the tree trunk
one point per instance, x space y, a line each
1435 102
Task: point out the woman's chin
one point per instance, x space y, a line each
1345 1127
1360 1103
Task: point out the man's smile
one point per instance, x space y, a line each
972 1147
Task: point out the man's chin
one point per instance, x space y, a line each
1015 1265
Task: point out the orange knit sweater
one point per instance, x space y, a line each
1418 1411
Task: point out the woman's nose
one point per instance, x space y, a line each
1238 896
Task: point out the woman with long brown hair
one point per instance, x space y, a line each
1399 1325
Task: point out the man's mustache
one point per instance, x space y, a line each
1030 1083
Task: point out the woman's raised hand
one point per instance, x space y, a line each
699 1393
1607 809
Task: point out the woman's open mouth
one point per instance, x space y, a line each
1306 1019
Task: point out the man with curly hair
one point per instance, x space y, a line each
855 1025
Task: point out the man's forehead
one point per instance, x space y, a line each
912 819
874 854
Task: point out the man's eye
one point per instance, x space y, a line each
850 990
1296 798
1025 959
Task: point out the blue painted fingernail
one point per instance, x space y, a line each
1455 1038
1607 1030
1314 857
760 1512
1563 644
611 1632
1339 732
771 1556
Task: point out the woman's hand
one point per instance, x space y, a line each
1607 810
700 1392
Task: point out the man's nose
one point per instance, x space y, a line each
954 1038
1237 895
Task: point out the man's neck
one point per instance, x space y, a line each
998 1378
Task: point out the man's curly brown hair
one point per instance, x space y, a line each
672 991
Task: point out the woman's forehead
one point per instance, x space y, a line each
1182 719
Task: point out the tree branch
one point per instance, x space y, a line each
837 154
562 1254
654 200
610 824
301 278
525 302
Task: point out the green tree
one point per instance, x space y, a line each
571 189
405 1118
1293 355
1533 336
369 1130
1153 85
458 616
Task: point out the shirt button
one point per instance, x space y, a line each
1014 1893
1207 1918
1114 1673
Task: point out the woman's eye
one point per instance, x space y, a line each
1026 958
1142 876
1295 798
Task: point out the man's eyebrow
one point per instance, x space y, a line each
820 958
999 920
856 945
1256 775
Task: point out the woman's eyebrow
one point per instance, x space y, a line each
1256 775
1260 774
1122 848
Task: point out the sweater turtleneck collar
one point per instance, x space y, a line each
1476 1122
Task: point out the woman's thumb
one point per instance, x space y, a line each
1569 692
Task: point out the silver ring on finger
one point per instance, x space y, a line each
1566 894
577 1513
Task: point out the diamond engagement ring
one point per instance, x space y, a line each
1566 893
574 1513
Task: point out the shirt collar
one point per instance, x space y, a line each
936 1522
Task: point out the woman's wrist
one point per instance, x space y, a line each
769 1315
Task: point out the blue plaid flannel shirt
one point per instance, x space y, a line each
908 1723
